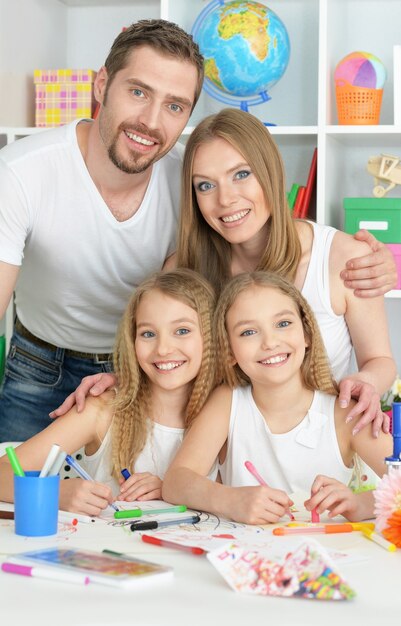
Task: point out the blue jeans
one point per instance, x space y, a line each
37 380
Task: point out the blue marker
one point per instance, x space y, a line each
82 473
395 459
125 473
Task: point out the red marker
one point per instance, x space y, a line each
171 544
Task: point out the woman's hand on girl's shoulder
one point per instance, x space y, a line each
367 406
93 385
372 274
141 486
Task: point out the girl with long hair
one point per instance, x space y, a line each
164 360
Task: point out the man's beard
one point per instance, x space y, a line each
134 163
129 167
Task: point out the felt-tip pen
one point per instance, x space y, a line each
125 473
83 474
310 530
252 470
171 544
194 519
381 541
49 573
51 457
180 508
14 462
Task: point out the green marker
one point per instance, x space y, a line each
139 512
15 464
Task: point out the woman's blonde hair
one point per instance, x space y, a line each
133 404
315 368
199 246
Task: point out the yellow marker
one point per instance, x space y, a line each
381 541
362 525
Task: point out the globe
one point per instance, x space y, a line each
246 50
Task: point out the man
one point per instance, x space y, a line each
88 210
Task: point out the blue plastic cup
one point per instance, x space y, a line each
36 504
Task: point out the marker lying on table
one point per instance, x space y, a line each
252 470
14 462
83 474
381 541
194 519
139 512
68 516
170 544
310 530
49 573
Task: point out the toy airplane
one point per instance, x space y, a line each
385 169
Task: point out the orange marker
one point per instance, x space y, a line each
310 530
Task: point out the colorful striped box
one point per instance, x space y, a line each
63 95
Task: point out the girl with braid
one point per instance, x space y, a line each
164 360
279 409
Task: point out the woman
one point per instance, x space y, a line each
234 218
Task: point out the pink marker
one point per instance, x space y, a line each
49 573
252 469
315 518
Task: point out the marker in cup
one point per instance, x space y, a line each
14 462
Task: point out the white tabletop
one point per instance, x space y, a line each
197 595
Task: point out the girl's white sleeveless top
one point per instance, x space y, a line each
157 454
288 461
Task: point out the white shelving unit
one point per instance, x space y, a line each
78 33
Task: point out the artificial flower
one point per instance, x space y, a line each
392 395
387 498
392 532
396 390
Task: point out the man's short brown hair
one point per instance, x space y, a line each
161 35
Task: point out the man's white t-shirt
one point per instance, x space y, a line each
79 265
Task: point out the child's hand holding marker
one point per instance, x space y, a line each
328 494
252 470
86 496
254 505
141 486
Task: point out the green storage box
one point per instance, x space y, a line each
380 216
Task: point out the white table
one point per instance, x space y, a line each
197 596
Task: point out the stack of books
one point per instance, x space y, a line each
299 196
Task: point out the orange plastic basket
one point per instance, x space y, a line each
358 105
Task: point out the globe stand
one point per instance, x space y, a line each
244 105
